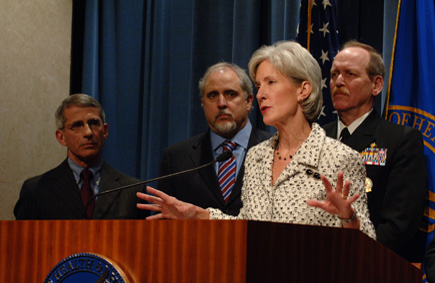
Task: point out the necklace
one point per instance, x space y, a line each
276 147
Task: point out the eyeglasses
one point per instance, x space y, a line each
77 127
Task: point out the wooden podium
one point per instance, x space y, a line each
202 251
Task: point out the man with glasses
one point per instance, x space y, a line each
67 191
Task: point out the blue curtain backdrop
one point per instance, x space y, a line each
142 60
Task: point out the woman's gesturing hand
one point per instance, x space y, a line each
337 201
169 207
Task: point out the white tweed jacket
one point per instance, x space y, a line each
285 201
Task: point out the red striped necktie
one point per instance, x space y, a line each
227 171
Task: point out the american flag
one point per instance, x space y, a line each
317 31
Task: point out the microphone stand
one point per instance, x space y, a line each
222 157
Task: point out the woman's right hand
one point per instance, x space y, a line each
170 207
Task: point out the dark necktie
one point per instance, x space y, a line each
86 192
344 135
227 171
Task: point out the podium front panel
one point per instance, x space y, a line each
202 251
279 252
146 251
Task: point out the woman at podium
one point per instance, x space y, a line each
287 176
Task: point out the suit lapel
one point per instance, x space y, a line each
63 189
108 181
202 154
363 136
331 129
254 139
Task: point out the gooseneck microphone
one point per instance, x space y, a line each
222 157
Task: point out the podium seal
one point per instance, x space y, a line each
86 267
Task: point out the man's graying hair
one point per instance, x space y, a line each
245 81
376 66
79 100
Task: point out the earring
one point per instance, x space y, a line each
300 99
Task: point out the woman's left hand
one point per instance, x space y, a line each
169 207
337 201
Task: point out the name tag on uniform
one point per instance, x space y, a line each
374 155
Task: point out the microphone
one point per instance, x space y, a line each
222 157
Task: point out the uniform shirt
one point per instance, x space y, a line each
241 139
96 172
353 126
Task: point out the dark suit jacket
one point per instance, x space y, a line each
430 262
55 195
396 202
201 187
